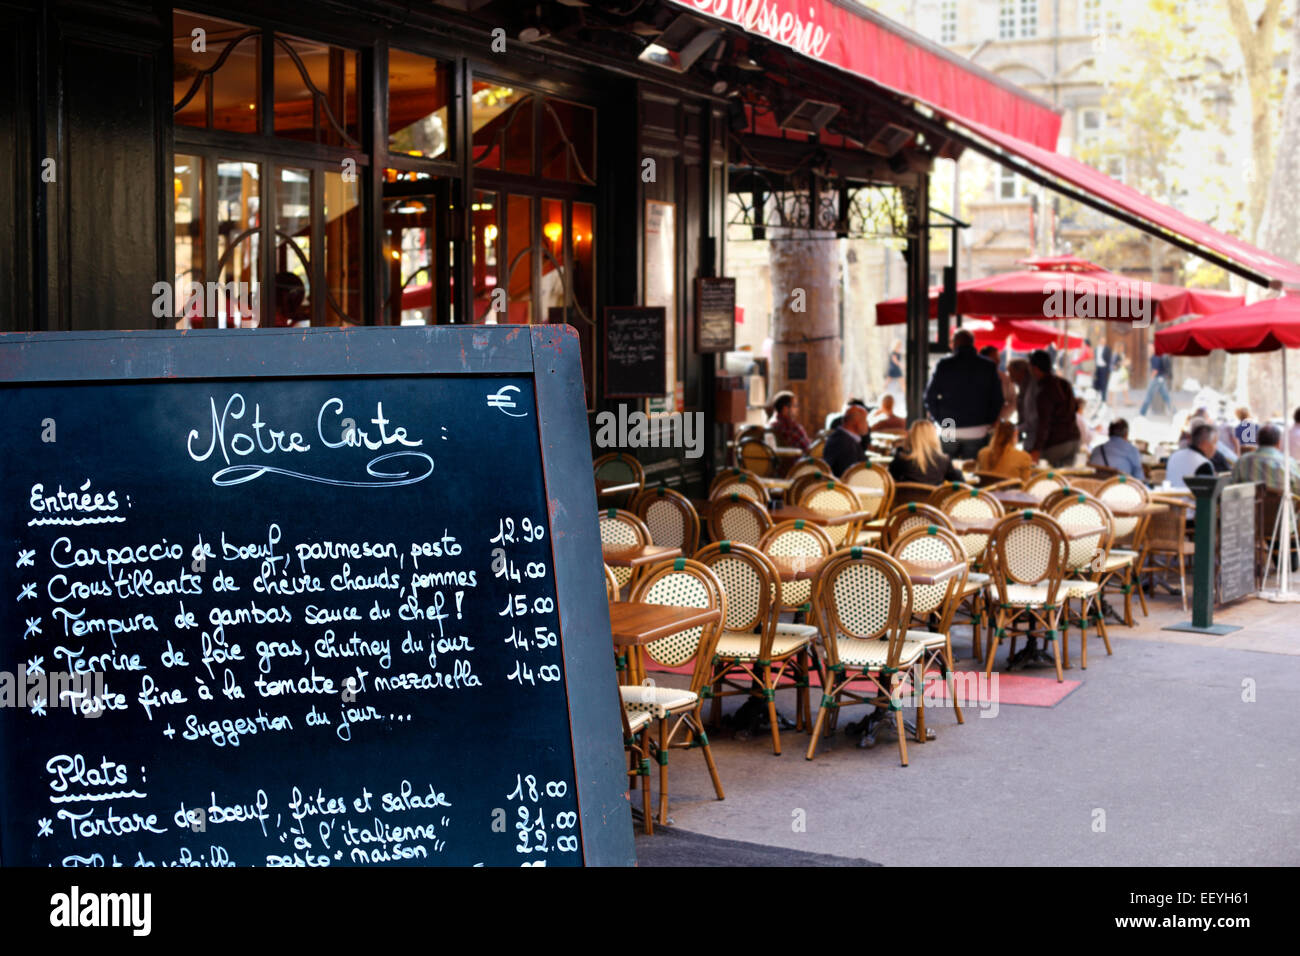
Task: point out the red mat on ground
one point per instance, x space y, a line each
1019 690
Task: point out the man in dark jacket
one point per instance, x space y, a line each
844 446
1056 436
964 398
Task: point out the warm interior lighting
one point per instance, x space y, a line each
396 254
553 231
178 186
490 232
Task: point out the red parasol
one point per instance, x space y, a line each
1021 335
1067 287
1263 327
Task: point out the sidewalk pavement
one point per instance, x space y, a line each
1179 749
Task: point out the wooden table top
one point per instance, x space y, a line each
796 567
633 622
1016 498
1086 531
612 488
931 572
1151 508
973 525
777 484
783 452
635 557
796 513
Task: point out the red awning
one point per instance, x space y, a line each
872 47
1266 268
1266 326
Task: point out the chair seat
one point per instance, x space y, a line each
1114 563
657 701
1124 553
809 631
928 639
637 719
736 645
867 538
1027 595
1079 589
975 577
1171 547
873 654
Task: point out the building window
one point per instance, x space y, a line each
1011 186
1115 167
948 21
1006 19
419 97
1090 16
1029 18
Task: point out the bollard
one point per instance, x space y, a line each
1206 489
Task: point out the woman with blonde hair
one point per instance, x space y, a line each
1002 457
921 459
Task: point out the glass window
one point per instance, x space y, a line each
948 21
238 248
1006 19
517 270
316 92
419 92
568 141
216 67
344 252
1029 18
292 304
1090 16
502 119
410 243
485 244
187 215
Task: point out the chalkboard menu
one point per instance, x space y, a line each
635 352
310 598
1236 542
715 314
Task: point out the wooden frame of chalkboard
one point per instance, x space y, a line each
715 314
645 378
547 355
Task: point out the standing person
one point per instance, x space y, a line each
1026 398
1246 432
1101 371
964 395
1119 376
844 446
1081 421
894 371
991 353
784 422
1056 438
1161 372
1293 434
920 459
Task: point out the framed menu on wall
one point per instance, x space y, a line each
660 263
715 314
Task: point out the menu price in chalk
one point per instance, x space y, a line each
282 624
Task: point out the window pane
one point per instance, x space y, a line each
518 267
582 311
231 89
238 243
410 242
419 91
315 92
187 214
344 252
503 128
292 304
484 251
568 142
554 293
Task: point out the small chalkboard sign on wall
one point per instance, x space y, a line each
304 597
715 314
1236 577
635 353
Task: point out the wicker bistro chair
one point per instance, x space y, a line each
758 457
620 469
636 747
946 490
808 465
1028 552
728 475
799 486
799 539
818 447
1166 537
910 491
1040 484
864 475
864 604
933 605
737 518
906 517
671 518
1123 558
831 498
1085 564
754 647
622 529
745 483
972 505
680 583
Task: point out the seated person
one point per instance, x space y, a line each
1118 452
843 447
1267 464
1193 460
884 419
784 423
1002 457
920 459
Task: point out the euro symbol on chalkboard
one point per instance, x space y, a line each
499 399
